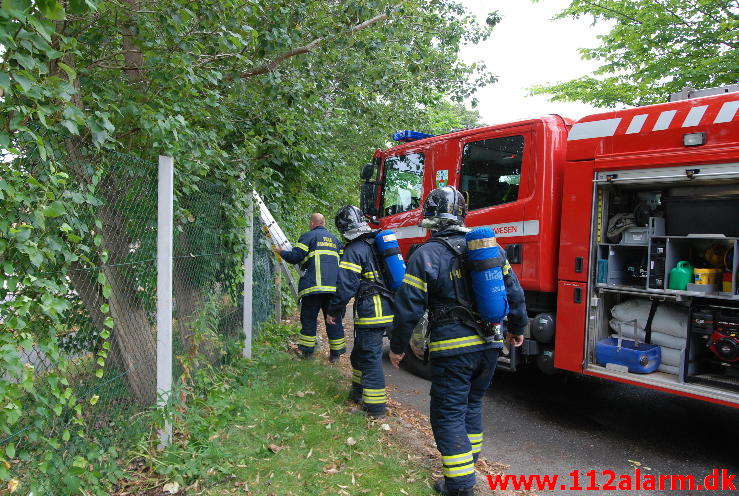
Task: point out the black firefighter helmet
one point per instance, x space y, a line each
445 203
351 222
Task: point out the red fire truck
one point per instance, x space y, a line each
623 228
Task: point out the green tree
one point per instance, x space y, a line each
287 97
655 47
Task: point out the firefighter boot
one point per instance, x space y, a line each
440 487
355 395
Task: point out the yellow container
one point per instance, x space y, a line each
708 276
727 282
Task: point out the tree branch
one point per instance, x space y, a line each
614 11
272 64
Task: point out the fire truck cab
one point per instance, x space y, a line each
622 228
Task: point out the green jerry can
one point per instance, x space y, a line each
681 275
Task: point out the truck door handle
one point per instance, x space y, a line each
578 264
577 295
514 253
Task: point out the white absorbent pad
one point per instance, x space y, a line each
668 319
660 338
668 369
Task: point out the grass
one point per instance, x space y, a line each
282 426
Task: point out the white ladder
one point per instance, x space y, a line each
277 238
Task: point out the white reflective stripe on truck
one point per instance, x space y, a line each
665 119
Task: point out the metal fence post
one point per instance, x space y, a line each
165 214
248 276
278 294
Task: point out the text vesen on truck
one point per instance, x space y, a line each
623 228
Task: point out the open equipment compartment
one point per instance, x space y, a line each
646 223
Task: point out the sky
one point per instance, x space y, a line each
525 49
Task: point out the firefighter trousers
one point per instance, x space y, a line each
309 307
368 378
458 384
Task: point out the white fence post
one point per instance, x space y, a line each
165 214
248 276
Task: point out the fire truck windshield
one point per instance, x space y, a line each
403 185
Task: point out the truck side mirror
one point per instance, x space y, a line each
368 170
368 198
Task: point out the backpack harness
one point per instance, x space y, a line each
463 312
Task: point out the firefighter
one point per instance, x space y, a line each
462 361
317 252
361 277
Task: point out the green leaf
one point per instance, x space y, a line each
17 8
54 210
81 6
71 126
105 308
51 9
10 450
26 61
94 399
107 291
5 81
105 334
99 373
65 435
101 278
43 27
37 258
109 322
25 83
71 74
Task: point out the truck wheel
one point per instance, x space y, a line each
415 365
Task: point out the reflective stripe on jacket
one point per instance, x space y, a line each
317 252
358 272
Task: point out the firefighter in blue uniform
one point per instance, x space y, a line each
361 277
462 360
317 252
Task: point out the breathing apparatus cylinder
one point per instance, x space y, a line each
485 269
389 250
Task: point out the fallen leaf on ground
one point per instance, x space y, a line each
330 469
274 448
171 488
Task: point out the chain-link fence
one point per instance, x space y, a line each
78 309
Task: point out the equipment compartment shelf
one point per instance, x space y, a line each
668 293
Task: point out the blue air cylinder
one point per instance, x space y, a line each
389 250
485 269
